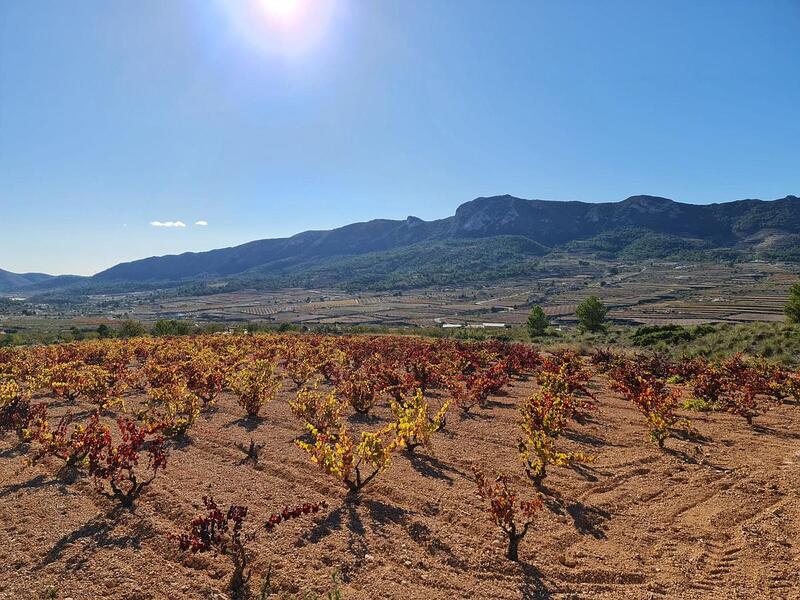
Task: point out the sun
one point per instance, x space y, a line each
284 12
291 28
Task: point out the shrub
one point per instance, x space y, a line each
544 416
413 426
563 373
744 402
475 384
163 371
17 414
651 335
794 386
474 388
171 408
320 410
743 386
604 359
223 532
656 401
395 383
773 381
116 465
736 386
708 385
72 446
422 364
359 387
354 465
205 375
90 448
69 380
255 384
300 364
503 509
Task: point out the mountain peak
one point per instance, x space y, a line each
645 199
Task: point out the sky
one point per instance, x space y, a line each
264 118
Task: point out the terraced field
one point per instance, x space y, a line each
653 293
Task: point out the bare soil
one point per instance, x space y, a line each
711 517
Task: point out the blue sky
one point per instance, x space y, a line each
117 114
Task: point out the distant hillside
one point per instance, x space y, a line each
744 223
486 239
446 262
10 282
351 240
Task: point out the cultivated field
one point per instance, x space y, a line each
652 293
714 514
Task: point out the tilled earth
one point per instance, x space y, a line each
716 515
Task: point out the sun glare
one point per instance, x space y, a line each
285 12
289 27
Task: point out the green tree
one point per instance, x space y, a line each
103 331
793 305
591 314
537 322
170 327
130 329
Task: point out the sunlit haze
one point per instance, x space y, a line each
291 28
287 12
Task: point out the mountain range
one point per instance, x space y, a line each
486 238
12 281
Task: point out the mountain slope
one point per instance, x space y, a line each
434 262
743 224
355 239
10 282
554 223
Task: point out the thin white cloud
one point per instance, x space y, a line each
201 223
167 223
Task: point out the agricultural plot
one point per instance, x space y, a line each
689 294
228 466
656 293
650 293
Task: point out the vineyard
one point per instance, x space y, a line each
305 466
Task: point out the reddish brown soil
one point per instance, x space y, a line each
712 518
